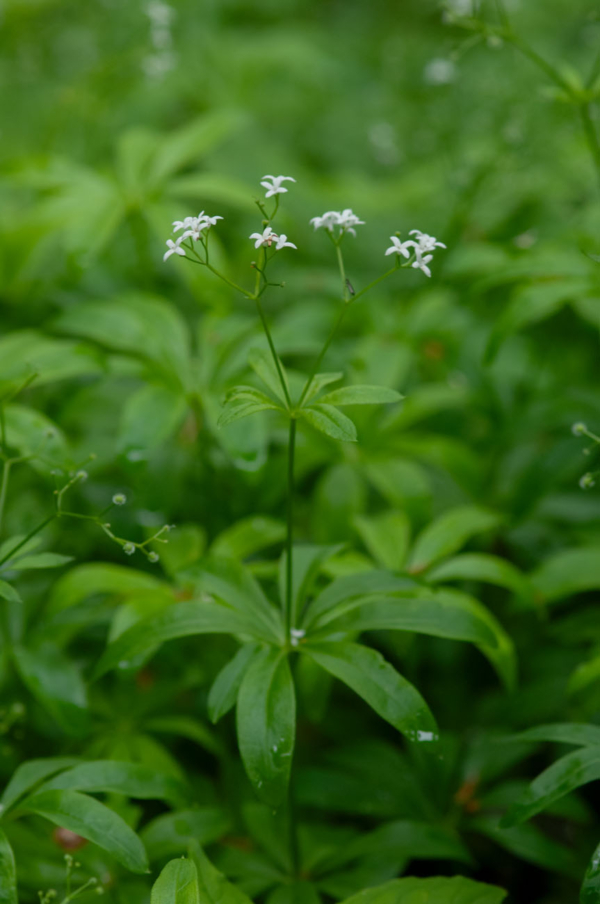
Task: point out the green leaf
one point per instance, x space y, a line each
575 769
528 843
248 536
190 144
448 533
187 727
296 892
171 833
379 684
330 421
386 537
361 395
318 383
177 884
590 889
266 724
29 774
350 587
225 687
23 352
150 416
214 887
242 401
307 560
407 838
92 820
439 890
439 613
112 777
8 592
8 872
580 734
180 620
479 566
56 682
100 577
40 560
261 362
566 573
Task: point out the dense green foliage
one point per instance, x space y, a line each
368 672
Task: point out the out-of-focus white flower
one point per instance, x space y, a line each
211 221
421 262
439 72
398 247
282 242
174 248
426 242
274 187
345 219
194 226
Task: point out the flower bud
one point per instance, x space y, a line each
119 499
579 429
153 557
129 549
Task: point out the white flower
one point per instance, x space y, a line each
266 237
345 219
211 221
398 247
421 262
274 187
174 248
439 72
426 242
193 226
183 224
282 242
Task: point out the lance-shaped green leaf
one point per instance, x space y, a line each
242 401
177 884
110 776
528 843
100 577
214 887
568 572
318 383
439 613
577 733
438 890
350 587
330 421
408 838
225 687
481 566
570 772
180 620
57 683
8 592
307 560
262 363
448 533
386 536
233 585
32 773
369 675
590 888
92 820
361 395
266 724
171 833
248 536
8 872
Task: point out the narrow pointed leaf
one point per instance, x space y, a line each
448 533
351 587
479 566
8 872
262 363
92 820
590 889
57 683
580 734
369 675
319 382
32 773
361 395
214 887
225 688
330 421
266 724
114 777
177 884
438 890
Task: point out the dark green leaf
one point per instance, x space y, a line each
55 681
590 889
266 724
568 572
448 533
580 734
8 872
177 884
110 776
29 774
8 592
92 820
442 890
376 681
224 690
171 833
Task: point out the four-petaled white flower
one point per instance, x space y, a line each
194 226
267 237
426 242
274 187
398 247
174 248
345 219
421 262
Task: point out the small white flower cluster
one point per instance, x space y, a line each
274 186
162 58
421 246
193 228
345 219
267 238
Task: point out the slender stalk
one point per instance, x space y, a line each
273 351
539 61
324 350
290 608
591 135
4 487
32 533
340 259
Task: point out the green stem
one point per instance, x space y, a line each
273 351
379 279
4 487
36 530
228 281
290 613
591 135
340 259
539 61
